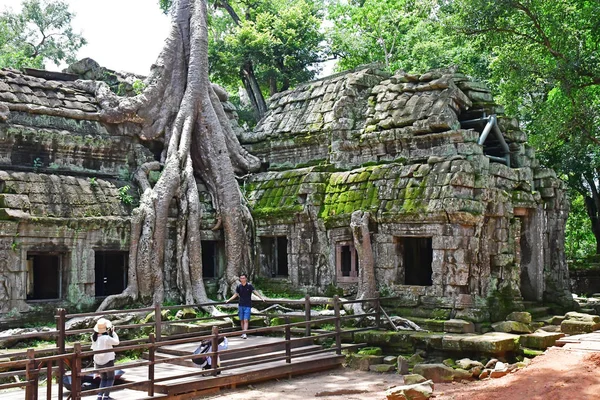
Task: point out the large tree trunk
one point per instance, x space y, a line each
367 285
253 89
180 103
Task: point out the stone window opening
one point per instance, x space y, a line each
210 259
274 257
346 260
417 256
110 268
44 276
491 138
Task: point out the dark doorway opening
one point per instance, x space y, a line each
275 255
418 256
111 272
43 276
210 265
346 262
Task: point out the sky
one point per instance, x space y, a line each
123 35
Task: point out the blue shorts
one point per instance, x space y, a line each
244 313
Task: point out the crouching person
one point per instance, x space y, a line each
104 338
205 347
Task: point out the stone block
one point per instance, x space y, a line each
402 366
511 327
382 368
519 316
418 391
459 326
574 327
540 340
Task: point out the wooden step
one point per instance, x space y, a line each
228 359
235 342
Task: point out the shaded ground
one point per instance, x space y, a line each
558 374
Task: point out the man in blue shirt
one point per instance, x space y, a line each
244 291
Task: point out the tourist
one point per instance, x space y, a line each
244 291
104 338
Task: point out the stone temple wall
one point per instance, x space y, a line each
405 148
454 232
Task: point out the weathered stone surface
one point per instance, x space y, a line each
411 379
382 368
540 340
402 366
466 363
440 373
459 326
511 327
519 316
418 391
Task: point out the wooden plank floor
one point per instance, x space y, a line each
190 387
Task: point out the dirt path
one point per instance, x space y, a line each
558 374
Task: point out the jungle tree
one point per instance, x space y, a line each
180 104
41 32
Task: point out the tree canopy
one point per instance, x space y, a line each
41 32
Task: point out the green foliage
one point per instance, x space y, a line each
93 182
124 195
138 86
579 241
37 164
281 38
41 32
399 34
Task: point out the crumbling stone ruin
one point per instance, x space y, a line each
464 221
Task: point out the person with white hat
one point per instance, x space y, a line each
104 338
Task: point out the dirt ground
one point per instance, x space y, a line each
557 374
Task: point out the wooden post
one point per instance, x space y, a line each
307 315
214 359
31 376
151 358
49 380
338 325
288 344
377 311
157 322
60 343
76 372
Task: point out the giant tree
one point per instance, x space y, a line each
266 45
41 32
180 104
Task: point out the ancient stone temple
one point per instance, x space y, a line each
464 221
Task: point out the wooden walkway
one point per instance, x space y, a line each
584 342
268 353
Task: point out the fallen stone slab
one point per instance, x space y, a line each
459 326
491 343
418 391
382 368
511 327
540 339
572 326
519 316
411 379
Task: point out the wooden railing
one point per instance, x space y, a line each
34 364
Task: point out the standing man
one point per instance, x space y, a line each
244 291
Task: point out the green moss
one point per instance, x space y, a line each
370 351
